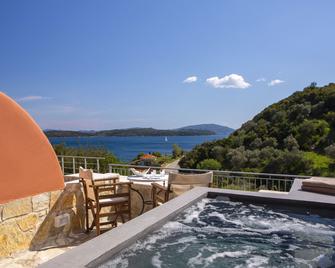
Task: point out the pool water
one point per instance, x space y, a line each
214 233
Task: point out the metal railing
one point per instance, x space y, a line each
246 181
71 164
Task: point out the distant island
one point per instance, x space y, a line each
195 130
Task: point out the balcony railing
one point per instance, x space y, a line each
71 164
235 180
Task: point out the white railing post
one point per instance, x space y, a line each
62 161
85 160
98 165
74 165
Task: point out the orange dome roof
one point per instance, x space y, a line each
28 163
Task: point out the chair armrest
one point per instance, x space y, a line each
123 183
101 180
111 184
106 179
159 186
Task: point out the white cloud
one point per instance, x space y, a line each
190 79
32 98
228 81
275 82
261 79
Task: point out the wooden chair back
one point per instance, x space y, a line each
105 199
204 179
180 183
87 176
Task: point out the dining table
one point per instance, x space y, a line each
141 194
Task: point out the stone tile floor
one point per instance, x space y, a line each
29 258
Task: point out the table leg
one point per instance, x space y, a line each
142 198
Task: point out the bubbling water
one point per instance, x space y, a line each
214 233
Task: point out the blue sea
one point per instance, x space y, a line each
127 148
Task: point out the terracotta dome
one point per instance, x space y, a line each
28 162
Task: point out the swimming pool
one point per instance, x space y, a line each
221 233
259 229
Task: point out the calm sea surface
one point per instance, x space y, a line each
127 148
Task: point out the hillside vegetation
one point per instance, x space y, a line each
294 136
217 129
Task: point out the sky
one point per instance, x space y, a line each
86 65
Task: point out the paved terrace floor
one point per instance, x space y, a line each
29 258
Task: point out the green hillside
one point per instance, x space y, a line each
294 136
217 129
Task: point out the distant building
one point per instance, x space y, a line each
146 160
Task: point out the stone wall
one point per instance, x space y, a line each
28 223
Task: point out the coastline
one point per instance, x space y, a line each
127 148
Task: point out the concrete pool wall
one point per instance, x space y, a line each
103 247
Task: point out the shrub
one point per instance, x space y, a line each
320 163
157 154
177 151
209 164
330 150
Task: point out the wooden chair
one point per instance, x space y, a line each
178 184
105 194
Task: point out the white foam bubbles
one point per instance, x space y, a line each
255 262
201 260
155 261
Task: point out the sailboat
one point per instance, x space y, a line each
166 139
